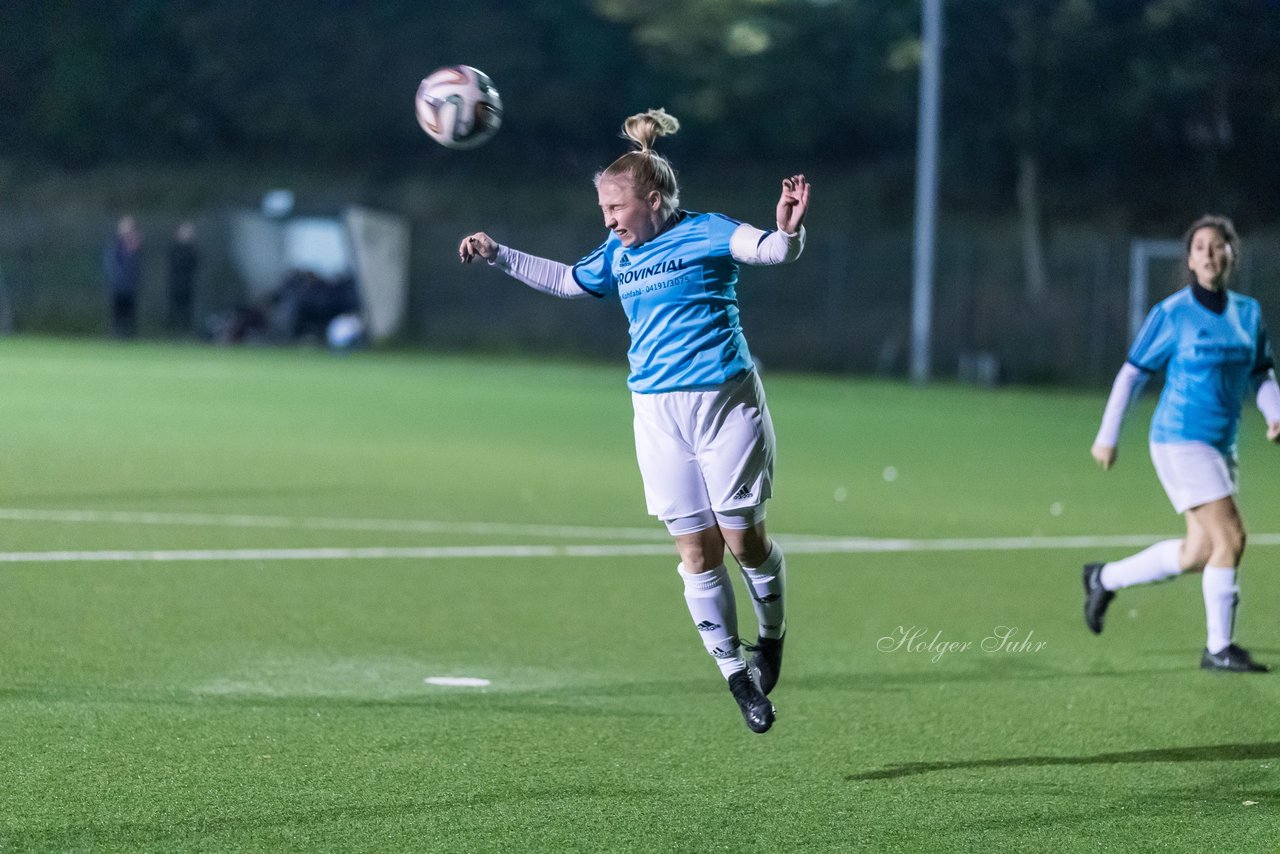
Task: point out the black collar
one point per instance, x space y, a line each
1215 301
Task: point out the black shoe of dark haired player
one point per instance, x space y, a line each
1233 659
1096 597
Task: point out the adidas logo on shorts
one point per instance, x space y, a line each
744 491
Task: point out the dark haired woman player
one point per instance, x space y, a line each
1213 348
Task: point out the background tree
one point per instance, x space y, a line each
1052 108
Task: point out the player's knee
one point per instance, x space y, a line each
753 551
698 541
750 547
1234 542
699 555
1226 548
1194 555
743 531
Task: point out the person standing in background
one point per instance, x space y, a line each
122 264
184 259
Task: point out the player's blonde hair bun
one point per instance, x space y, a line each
643 129
645 169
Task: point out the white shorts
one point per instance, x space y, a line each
1193 473
706 452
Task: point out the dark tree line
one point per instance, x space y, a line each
1138 108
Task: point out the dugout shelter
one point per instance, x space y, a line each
371 246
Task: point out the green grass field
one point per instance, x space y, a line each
226 575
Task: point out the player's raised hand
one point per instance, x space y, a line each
1105 455
793 203
478 245
1273 431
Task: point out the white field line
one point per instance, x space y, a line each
372 553
661 545
839 545
796 546
409 526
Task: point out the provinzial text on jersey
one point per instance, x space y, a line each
671 266
1231 352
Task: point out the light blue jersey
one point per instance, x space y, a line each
678 292
1209 362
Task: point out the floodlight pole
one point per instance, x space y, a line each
926 189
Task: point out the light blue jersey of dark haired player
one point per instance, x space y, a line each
1211 361
678 291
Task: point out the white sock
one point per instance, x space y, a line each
1155 563
1221 595
767 585
709 596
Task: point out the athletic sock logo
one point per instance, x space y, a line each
708 626
721 652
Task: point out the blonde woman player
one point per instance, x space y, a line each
1213 348
704 439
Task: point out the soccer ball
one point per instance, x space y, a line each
458 106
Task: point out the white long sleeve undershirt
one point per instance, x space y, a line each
541 274
747 245
1129 382
1268 398
751 245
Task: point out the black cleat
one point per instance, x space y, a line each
1233 659
766 664
1096 597
757 711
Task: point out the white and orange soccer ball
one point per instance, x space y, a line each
458 106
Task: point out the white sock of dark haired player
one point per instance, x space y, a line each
1221 595
1154 563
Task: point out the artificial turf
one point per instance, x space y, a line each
184 669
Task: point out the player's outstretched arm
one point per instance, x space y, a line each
792 204
1268 396
541 274
478 245
750 245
